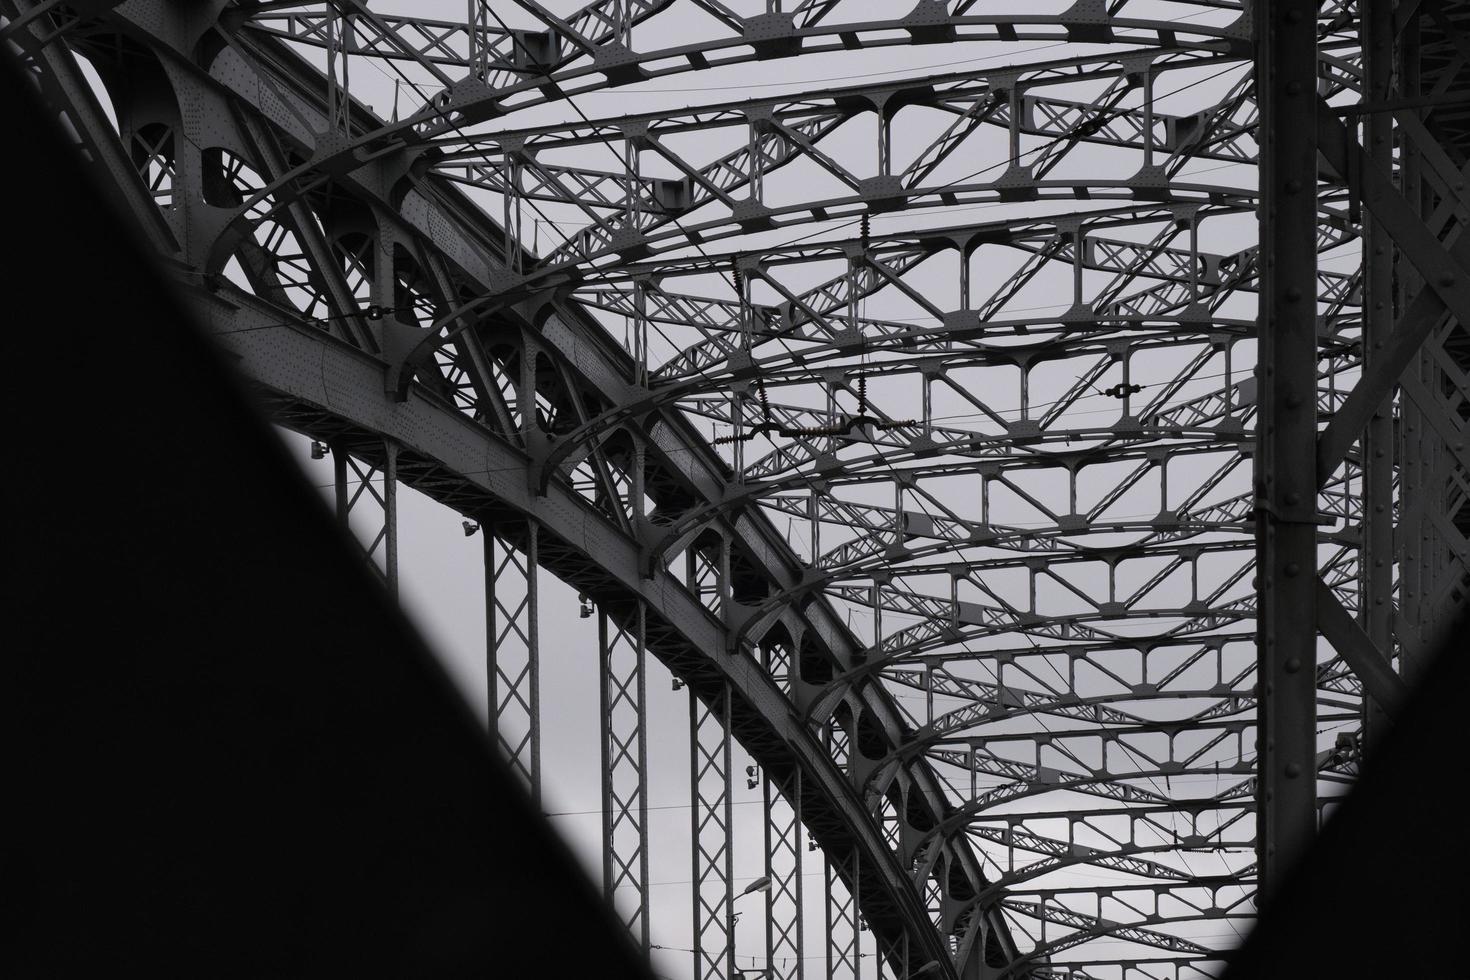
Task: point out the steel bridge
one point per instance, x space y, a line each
1032 433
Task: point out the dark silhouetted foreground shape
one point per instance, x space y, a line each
230 756
1382 892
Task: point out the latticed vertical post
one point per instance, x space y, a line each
511 203
512 649
624 768
640 331
1286 483
477 27
841 920
782 836
340 36
356 486
341 488
784 927
390 514
711 850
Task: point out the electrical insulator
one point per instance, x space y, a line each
1121 390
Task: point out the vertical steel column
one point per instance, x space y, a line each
1434 48
477 26
339 27
1413 485
339 482
1286 77
842 932
390 515
353 483
512 650
785 932
1376 561
624 764
711 851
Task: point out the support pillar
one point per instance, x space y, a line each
1376 563
710 826
512 648
1285 477
784 926
361 487
842 925
624 769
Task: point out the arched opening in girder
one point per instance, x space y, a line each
814 662
776 654
872 740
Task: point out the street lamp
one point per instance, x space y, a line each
761 884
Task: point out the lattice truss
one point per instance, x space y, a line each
963 296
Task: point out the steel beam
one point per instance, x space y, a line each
370 490
1286 481
513 647
1376 563
624 746
712 849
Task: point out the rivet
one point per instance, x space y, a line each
1293 665
1293 770
1293 294
1293 497
1292 568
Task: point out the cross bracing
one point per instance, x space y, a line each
890 375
